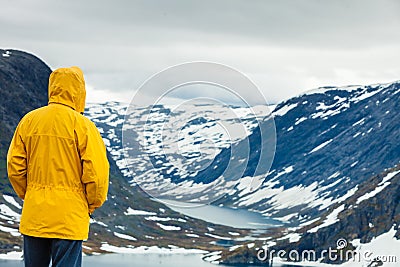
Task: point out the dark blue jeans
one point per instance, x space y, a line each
63 253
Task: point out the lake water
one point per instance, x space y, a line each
237 218
142 260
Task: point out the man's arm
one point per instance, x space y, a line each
95 166
16 163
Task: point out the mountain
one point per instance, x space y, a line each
23 83
174 145
334 173
334 145
372 213
21 90
129 220
335 177
329 141
363 230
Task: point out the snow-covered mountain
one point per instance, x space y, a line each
335 177
334 153
334 173
328 142
363 230
170 146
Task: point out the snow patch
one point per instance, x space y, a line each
329 220
300 120
213 257
169 227
6 54
98 222
12 201
293 237
131 211
382 185
124 236
5 210
320 146
11 231
385 246
192 235
13 255
285 109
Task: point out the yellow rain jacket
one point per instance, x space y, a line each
57 162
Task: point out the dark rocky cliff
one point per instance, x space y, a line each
23 87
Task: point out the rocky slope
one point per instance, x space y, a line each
23 83
328 142
353 226
334 177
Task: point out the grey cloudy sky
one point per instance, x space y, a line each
285 47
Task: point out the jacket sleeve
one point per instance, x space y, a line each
95 166
17 163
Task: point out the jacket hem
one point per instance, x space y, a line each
53 235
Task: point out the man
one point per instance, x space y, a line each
57 164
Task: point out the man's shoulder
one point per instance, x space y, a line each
32 113
37 110
85 121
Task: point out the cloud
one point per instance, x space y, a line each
285 47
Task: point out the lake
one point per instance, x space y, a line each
142 260
238 218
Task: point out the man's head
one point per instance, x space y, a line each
67 87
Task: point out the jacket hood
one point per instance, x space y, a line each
67 87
